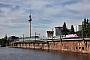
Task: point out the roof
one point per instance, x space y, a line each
58 27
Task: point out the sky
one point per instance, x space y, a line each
46 14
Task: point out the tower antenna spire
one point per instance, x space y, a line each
30 9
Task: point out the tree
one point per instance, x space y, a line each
65 30
72 30
3 41
86 28
79 33
5 37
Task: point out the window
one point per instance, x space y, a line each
76 47
79 47
82 48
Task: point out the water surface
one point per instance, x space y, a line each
27 54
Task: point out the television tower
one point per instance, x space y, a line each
30 19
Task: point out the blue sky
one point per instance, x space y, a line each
46 14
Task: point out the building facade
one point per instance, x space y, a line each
57 31
50 34
78 27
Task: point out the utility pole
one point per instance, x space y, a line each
35 36
82 30
23 37
52 32
60 36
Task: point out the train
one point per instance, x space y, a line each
71 36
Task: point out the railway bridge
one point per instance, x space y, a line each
71 45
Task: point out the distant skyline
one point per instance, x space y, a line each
46 14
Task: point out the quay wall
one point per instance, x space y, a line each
72 46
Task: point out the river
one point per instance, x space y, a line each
27 54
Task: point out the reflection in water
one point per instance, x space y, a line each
27 54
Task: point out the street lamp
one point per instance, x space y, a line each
82 31
30 19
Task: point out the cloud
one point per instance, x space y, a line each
46 14
17 21
81 7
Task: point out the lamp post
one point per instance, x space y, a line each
60 36
23 37
35 36
82 31
30 19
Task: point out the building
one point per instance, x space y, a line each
12 38
57 31
50 34
78 27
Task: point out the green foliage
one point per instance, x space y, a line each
65 30
72 30
2 41
79 33
86 28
